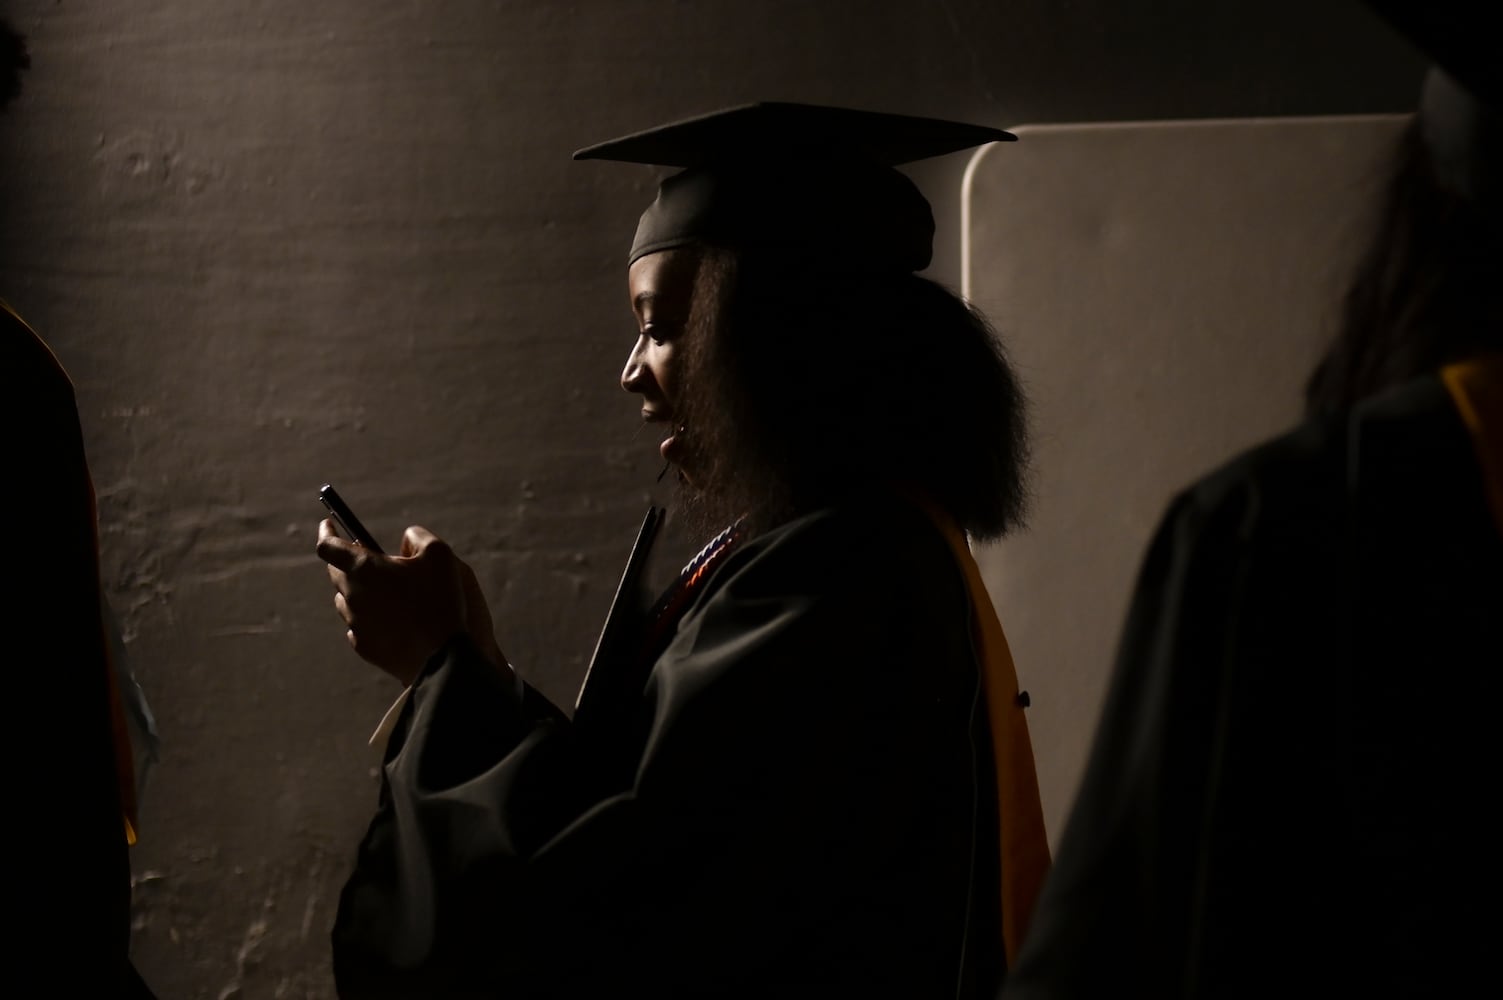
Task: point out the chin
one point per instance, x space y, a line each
703 511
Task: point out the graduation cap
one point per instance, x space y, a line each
1454 36
1461 107
816 183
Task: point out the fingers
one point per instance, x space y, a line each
342 605
334 550
338 552
346 614
397 610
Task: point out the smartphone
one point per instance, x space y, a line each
346 519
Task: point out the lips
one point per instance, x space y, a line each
652 416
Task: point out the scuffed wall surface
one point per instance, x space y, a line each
279 243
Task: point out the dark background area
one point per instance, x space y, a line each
278 244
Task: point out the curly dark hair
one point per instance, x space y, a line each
1425 294
13 59
806 385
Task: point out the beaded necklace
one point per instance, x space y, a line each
663 617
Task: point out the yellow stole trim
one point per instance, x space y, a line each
124 763
1476 388
1024 844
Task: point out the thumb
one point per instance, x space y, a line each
335 550
417 539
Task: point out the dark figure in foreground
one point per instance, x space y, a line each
805 770
70 786
1289 786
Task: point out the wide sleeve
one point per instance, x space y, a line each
1114 918
465 787
782 758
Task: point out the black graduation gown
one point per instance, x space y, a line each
1290 784
69 884
789 808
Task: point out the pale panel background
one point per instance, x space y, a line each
1165 289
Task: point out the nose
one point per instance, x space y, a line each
634 375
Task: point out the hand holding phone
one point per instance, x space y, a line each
346 519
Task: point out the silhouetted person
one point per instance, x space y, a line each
788 778
1290 788
69 782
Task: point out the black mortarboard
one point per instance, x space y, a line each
1456 35
1461 108
815 182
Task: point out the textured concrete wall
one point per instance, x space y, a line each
280 243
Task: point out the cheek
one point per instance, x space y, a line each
665 365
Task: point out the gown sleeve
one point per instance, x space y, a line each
772 758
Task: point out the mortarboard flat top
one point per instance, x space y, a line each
1457 36
810 183
774 130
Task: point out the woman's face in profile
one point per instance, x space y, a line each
661 287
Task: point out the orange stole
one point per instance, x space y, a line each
1476 388
1024 845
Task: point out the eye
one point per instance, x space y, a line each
659 332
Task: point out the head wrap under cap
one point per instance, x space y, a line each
815 185
850 216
